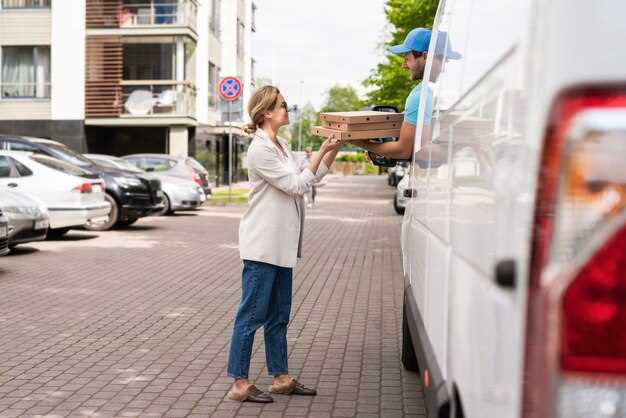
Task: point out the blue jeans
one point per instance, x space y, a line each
265 302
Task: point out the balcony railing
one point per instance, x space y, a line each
110 14
25 90
183 13
156 98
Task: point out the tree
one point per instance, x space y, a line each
309 117
342 99
389 83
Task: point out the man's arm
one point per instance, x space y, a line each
401 149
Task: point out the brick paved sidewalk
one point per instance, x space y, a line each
137 322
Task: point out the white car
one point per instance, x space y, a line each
401 198
514 248
71 195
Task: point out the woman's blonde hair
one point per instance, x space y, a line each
262 101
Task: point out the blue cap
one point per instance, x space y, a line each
418 40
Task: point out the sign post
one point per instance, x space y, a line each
230 89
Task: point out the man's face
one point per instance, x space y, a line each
415 65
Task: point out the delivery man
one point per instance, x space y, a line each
414 49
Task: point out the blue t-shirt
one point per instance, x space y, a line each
412 105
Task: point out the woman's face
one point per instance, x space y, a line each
279 116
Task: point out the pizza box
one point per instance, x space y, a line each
365 116
361 126
355 135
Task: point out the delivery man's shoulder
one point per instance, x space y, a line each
412 106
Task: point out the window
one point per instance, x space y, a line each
25 72
214 21
240 36
59 165
25 4
19 146
22 170
5 167
157 164
213 76
150 62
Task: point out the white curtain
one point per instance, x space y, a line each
42 71
18 75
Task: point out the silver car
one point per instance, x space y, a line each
28 219
183 167
4 234
179 193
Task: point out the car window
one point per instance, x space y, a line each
5 167
126 165
19 146
22 170
195 164
69 155
103 163
59 165
157 164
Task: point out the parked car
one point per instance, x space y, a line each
4 234
400 198
28 217
178 193
71 195
130 196
183 167
395 174
514 248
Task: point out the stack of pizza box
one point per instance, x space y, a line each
353 126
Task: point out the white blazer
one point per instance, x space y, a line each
271 229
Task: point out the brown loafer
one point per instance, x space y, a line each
293 388
252 394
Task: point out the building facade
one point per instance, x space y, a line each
124 76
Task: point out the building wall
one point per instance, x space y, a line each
14 31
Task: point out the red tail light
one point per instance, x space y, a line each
576 310
83 188
194 174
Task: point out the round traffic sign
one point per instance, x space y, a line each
230 88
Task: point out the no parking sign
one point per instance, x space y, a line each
230 88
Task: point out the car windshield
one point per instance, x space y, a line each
125 165
69 155
59 165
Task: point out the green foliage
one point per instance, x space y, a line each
352 157
308 118
389 83
342 99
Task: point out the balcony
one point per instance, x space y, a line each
158 98
143 17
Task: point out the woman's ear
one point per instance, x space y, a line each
267 115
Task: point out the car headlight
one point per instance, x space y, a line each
128 181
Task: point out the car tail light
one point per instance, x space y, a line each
83 188
194 174
575 360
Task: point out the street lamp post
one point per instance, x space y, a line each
300 119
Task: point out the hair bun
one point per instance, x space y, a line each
250 128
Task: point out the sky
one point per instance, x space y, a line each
319 42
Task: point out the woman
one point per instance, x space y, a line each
270 240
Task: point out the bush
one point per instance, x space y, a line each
353 158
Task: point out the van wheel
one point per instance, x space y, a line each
409 359
399 210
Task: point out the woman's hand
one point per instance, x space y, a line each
331 144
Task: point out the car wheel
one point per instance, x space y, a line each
409 359
399 210
127 222
56 233
114 215
167 206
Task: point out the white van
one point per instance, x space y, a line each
514 240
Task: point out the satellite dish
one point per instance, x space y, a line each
139 102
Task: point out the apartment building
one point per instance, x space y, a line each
123 76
